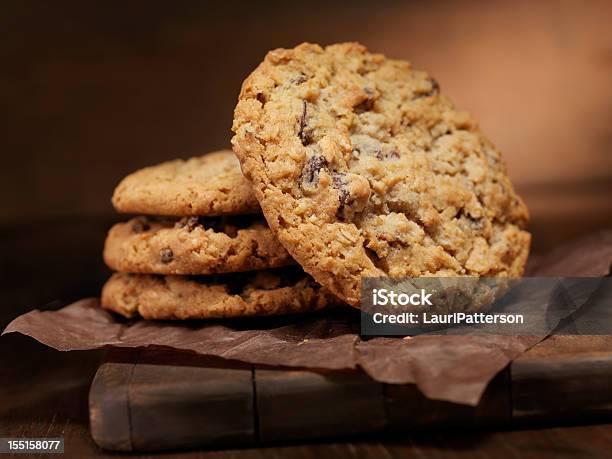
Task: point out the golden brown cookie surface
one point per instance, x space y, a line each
362 168
207 185
259 293
193 245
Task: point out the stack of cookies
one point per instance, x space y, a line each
199 247
362 168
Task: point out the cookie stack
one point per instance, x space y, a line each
199 248
362 168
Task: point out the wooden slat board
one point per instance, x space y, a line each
154 400
138 401
297 405
564 378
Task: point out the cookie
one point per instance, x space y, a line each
363 168
208 185
260 293
193 245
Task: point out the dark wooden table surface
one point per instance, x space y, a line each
44 392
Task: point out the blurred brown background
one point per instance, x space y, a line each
93 90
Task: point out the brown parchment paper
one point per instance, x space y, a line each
451 367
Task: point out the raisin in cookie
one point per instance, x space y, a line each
363 168
259 293
193 245
208 185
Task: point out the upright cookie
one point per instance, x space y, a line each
208 185
363 168
260 293
193 245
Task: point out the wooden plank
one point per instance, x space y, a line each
188 405
167 399
295 405
153 400
109 406
564 378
